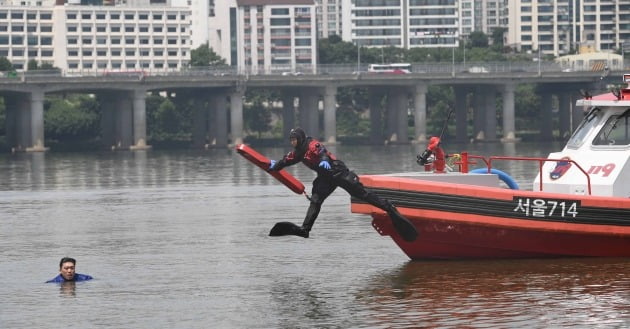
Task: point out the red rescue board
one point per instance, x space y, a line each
263 162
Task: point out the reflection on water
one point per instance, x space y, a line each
68 289
522 293
179 240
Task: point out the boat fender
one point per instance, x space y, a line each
509 181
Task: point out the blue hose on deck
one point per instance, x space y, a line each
509 181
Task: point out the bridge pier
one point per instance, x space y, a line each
123 120
308 115
420 113
546 124
461 114
288 113
330 112
490 115
25 121
376 117
479 114
200 131
236 115
509 126
220 122
139 120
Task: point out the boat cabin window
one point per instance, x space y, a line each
590 121
616 131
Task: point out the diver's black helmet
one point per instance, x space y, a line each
298 134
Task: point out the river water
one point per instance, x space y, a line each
178 239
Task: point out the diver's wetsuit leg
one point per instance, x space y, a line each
322 188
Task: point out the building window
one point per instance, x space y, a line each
45 28
17 40
130 17
47 53
115 28
86 28
101 29
101 53
129 28
86 16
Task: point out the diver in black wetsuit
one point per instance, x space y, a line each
331 173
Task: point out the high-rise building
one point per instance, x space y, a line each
401 23
329 21
566 26
96 38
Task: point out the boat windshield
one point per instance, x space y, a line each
589 122
616 131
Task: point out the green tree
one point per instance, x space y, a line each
32 65
478 39
5 64
336 51
71 118
257 117
204 56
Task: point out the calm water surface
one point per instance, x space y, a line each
179 240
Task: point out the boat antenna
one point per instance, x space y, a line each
445 123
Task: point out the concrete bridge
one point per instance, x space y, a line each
123 99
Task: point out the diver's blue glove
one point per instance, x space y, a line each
324 164
272 164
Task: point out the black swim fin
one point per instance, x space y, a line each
287 228
403 226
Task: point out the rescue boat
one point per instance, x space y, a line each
578 206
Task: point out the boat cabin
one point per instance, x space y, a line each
598 151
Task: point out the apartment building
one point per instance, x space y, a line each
329 21
482 15
401 23
96 38
274 35
564 26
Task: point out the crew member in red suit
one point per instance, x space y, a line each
331 173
